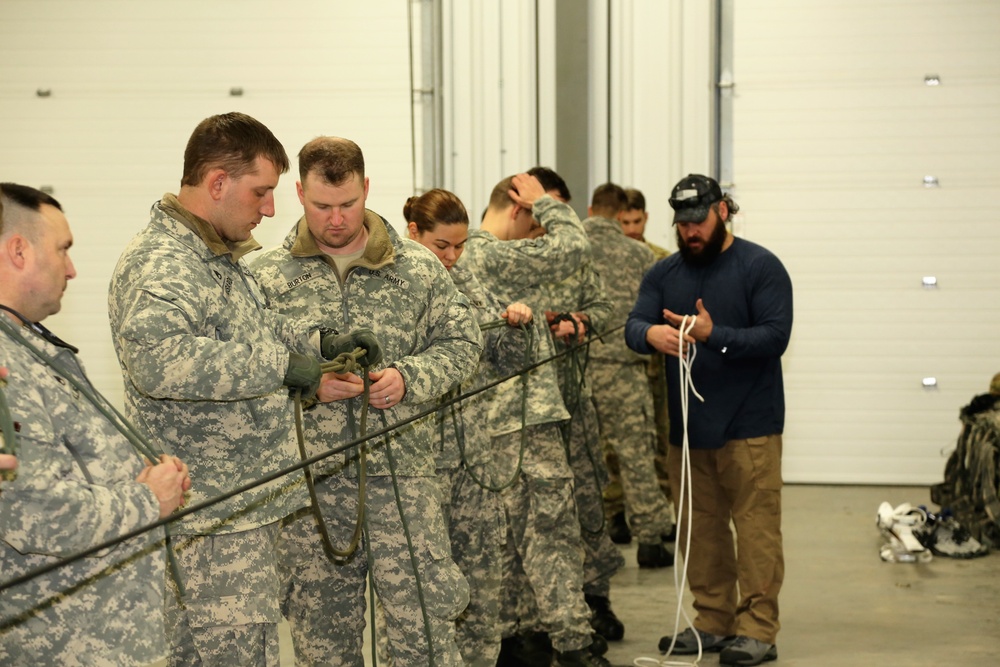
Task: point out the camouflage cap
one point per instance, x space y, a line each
692 197
995 385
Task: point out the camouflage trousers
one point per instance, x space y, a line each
543 556
231 609
476 526
405 548
624 406
583 448
656 373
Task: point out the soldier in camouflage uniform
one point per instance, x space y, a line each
633 222
618 375
466 464
346 265
574 306
204 363
543 562
80 482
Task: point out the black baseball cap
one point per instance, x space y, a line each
692 197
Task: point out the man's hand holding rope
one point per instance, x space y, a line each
702 328
517 314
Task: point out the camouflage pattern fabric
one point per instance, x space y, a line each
203 362
474 515
428 332
74 488
656 372
659 252
503 354
232 608
584 291
477 530
402 292
325 599
514 271
627 428
621 393
543 559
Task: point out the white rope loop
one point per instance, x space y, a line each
684 502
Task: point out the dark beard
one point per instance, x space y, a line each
712 249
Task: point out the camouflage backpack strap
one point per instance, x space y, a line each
984 452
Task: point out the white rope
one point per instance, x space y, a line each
685 500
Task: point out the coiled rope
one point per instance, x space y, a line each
685 501
346 362
576 380
459 428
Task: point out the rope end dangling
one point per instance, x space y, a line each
687 324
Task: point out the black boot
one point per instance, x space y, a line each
580 658
618 529
603 619
654 555
598 644
532 649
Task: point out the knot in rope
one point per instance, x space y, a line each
346 362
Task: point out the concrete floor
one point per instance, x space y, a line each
841 605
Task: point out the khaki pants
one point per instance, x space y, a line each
738 483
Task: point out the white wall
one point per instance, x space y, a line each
661 97
835 131
130 80
489 88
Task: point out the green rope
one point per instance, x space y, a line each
409 545
529 332
576 380
270 477
347 362
138 441
118 420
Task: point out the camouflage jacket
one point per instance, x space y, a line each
425 327
659 252
580 292
74 488
621 262
516 270
204 361
503 354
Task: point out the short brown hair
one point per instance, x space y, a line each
608 200
500 197
435 207
550 181
636 201
333 158
232 142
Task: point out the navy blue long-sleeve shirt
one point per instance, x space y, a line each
748 294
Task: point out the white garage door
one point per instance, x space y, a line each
98 98
866 138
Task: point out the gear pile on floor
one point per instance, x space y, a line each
915 534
